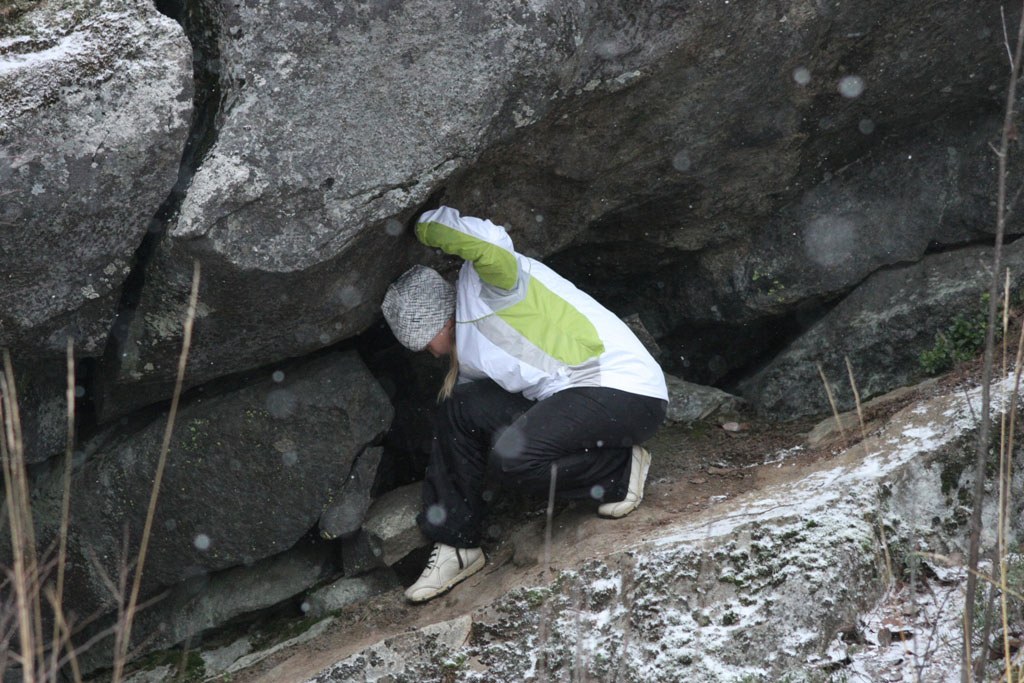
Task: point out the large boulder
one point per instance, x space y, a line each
344 517
882 327
325 143
689 403
248 474
95 104
722 309
643 132
41 389
690 125
890 207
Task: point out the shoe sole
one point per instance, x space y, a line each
619 513
452 582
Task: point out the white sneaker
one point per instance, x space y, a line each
446 567
637 476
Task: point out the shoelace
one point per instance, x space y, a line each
433 559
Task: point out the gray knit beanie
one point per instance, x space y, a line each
417 305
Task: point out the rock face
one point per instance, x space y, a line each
348 591
433 643
344 517
689 403
725 307
391 524
681 170
882 327
95 102
306 190
248 474
684 131
42 398
758 185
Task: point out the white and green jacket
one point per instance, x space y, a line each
527 328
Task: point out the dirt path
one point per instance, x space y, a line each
694 473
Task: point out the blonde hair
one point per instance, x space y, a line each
453 375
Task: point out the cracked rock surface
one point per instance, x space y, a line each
95 103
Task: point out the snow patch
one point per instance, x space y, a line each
66 49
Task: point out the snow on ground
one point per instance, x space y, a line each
914 635
914 632
885 453
792 582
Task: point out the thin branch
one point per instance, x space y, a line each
856 400
62 552
20 519
545 615
832 402
1006 40
61 638
981 454
1012 204
133 600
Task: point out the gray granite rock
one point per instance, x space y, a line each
883 327
95 105
348 591
689 402
205 602
344 516
325 145
391 524
776 584
248 474
359 554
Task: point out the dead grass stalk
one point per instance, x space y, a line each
970 668
123 636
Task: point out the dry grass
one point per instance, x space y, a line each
973 668
37 586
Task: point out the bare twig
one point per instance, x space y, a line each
165 446
1005 483
549 516
62 552
889 575
1012 204
61 639
981 455
105 633
627 595
970 405
832 402
545 616
856 400
25 574
1006 40
1005 473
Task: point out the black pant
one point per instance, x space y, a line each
483 436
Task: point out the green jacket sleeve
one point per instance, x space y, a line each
473 240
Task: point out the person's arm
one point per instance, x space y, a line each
486 245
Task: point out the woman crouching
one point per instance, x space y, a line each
544 383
